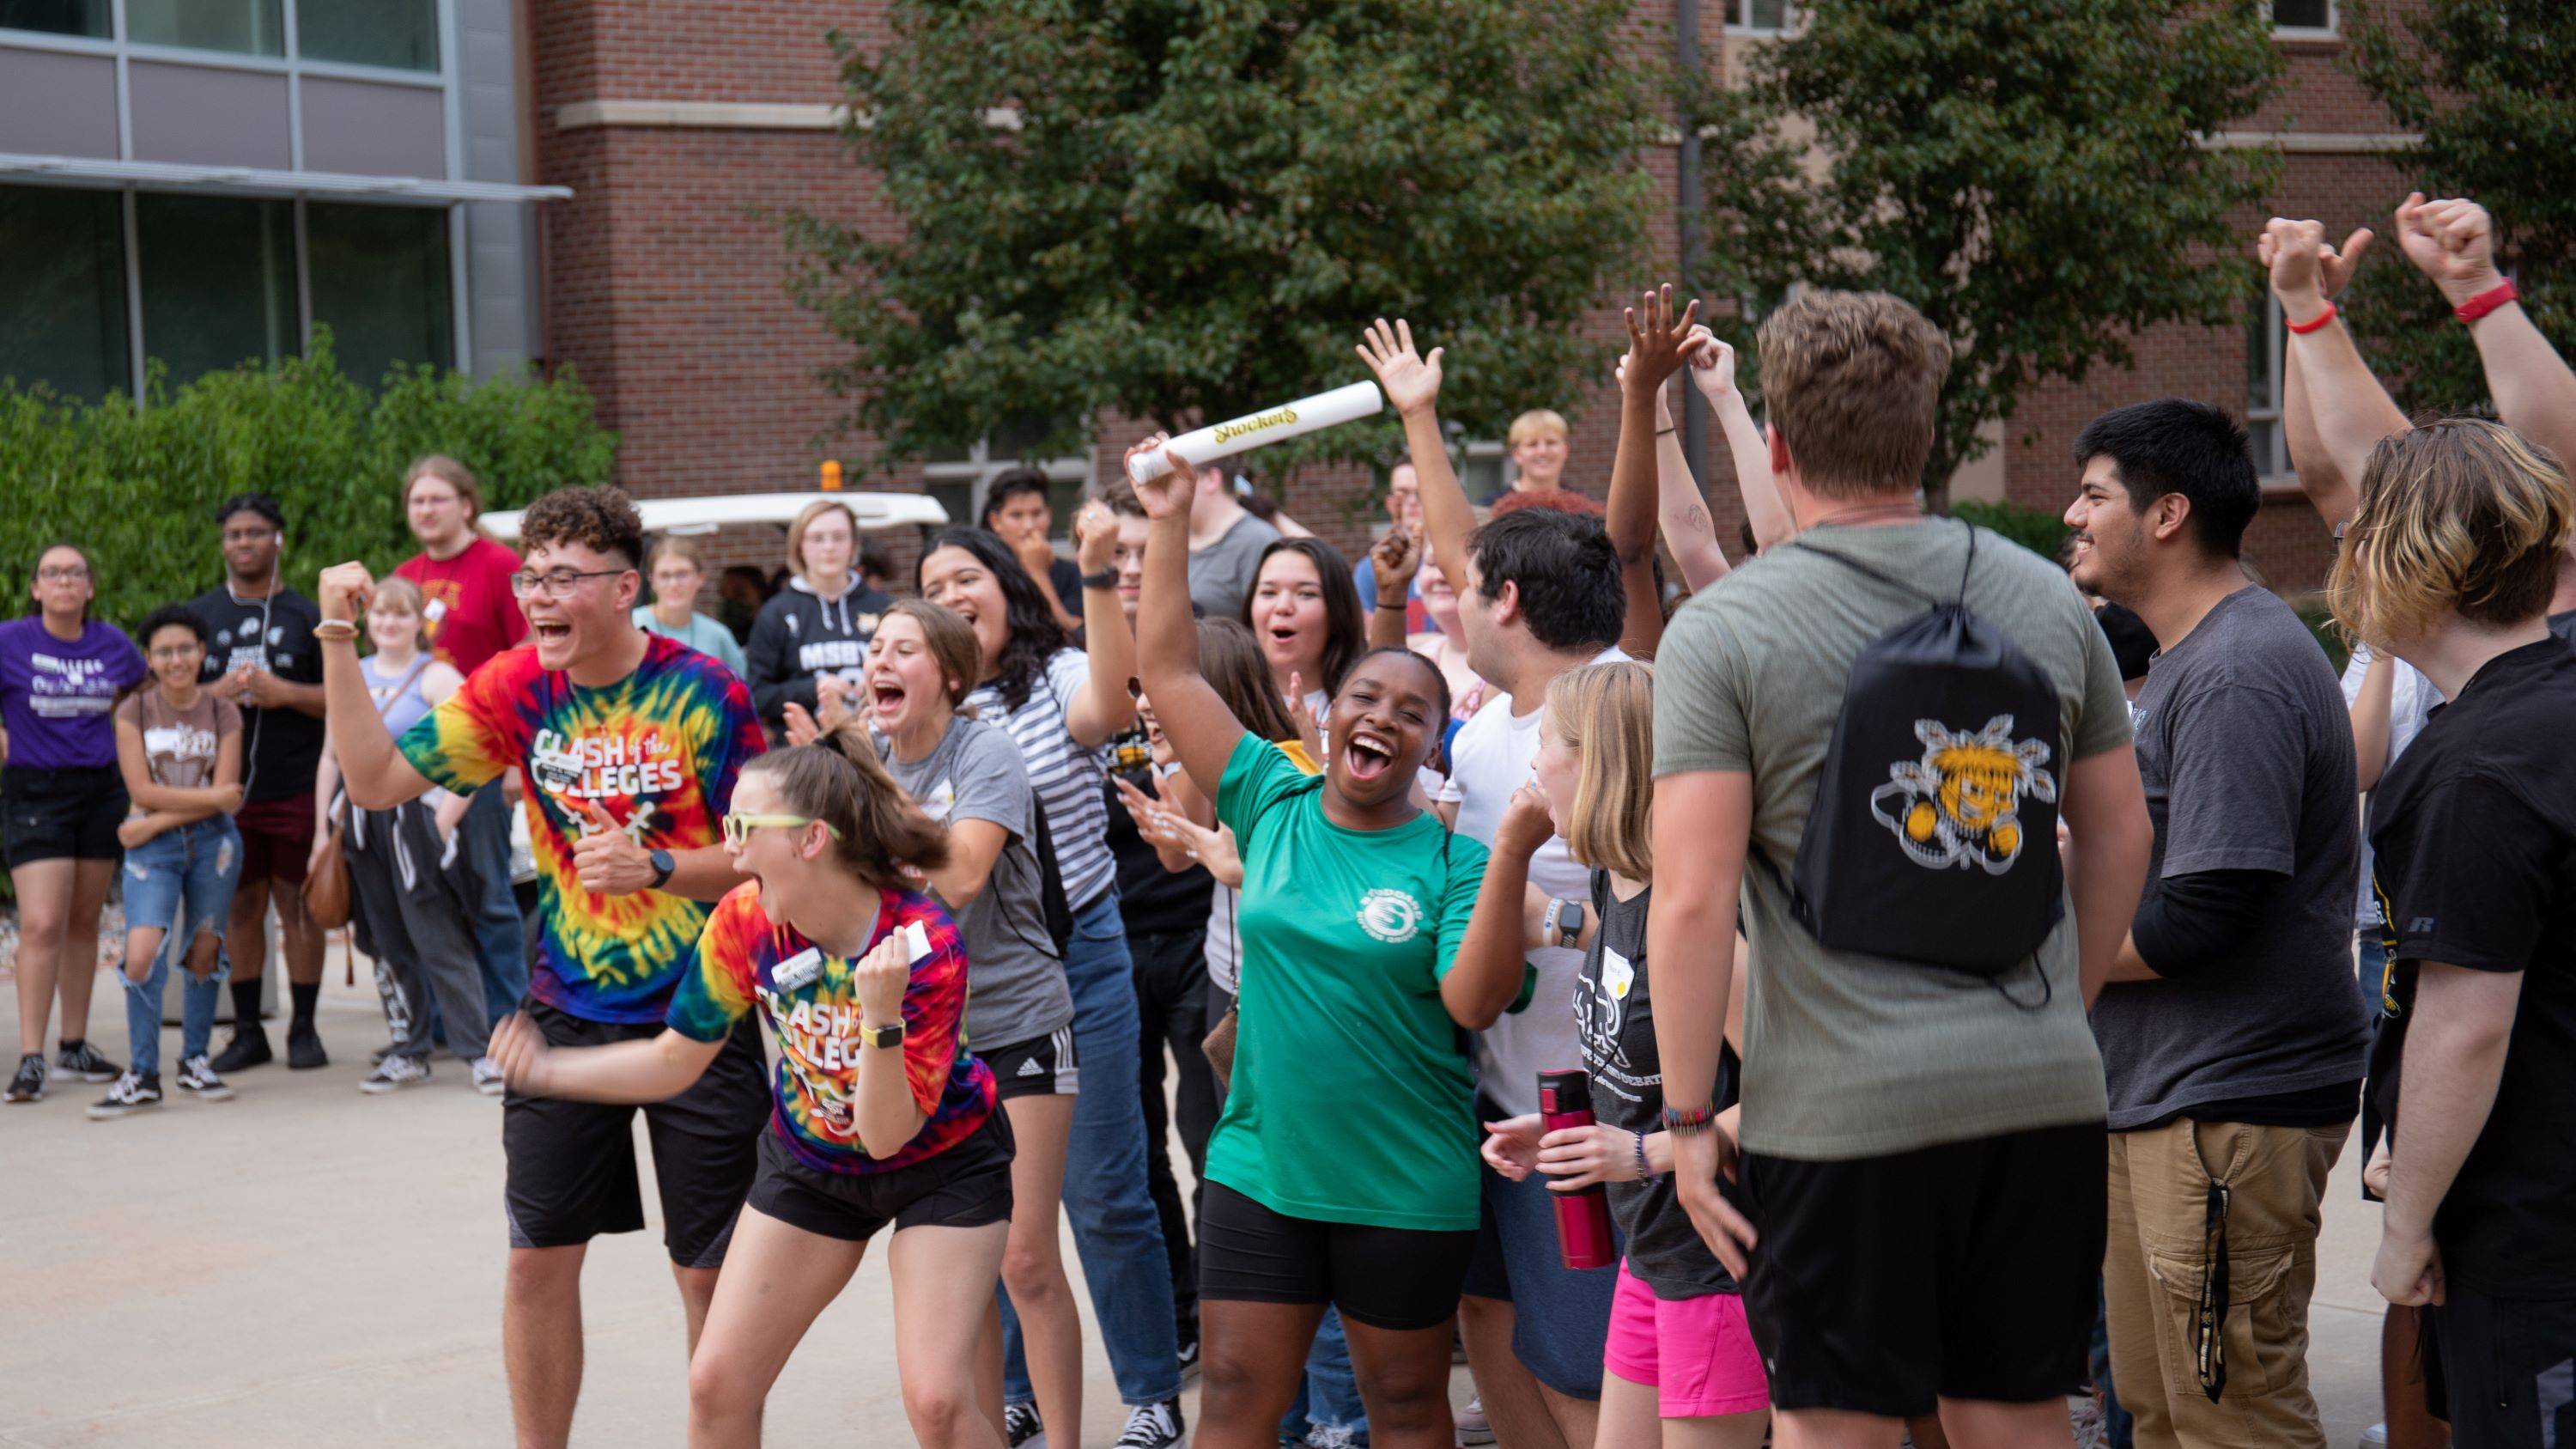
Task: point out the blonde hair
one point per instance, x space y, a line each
1530 424
672 545
394 589
805 520
1605 714
2460 515
1852 380
452 473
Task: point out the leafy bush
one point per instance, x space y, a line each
2035 529
137 486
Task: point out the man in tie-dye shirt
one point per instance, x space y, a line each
627 745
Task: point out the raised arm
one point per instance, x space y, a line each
1203 732
2350 411
377 775
1492 959
1659 345
1393 561
1411 382
1105 706
2453 243
1765 511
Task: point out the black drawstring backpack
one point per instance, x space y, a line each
1933 837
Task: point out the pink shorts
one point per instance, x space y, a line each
1696 1353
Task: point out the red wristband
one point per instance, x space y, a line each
2486 301
2313 323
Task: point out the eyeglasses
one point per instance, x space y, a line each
738 828
557 584
63 574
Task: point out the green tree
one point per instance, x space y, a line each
1186 209
2486 83
2032 176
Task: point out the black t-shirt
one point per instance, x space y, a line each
1151 900
2475 833
2564 625
1614 1015
275 634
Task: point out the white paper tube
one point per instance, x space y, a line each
1271 425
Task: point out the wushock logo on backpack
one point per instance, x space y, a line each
1932 839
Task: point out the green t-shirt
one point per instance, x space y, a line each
1351 1101
1846 1056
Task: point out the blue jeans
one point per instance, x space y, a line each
194 867
1115 1228
500 949
2372 966
1329 1397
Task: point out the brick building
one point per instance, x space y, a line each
598 198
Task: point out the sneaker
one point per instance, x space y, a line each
1020 1424
2375 1437
1152 1426
1333 1436
377 1057
1189 1356
487 1077
197 1078
304 1049
1473 1427
395 1073
132 1093
2088 1421
83 1061
247 1049
29 1084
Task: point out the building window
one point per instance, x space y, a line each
1485 470
399 34
2263 373
380 282
218 282
62 291
956 476
243 27
2309 17
1762 17
59 17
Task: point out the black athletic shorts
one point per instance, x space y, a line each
572 1164
2508 1369
1042 1066
61 814
1392 1278
966 1186
1966 1271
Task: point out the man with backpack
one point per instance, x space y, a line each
1922 1126
2231 1036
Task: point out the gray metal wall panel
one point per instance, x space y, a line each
370 129
208 117
501 280
57 105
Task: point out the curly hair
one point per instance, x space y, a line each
1031 634
601 518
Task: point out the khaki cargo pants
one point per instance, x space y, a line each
2161 1243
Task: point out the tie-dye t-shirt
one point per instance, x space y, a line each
811 1004
658 751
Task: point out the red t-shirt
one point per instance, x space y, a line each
469 610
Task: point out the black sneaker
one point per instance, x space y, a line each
81 1060
304 1049
132 1093
197 1078
1153 1426
1020 1423
29 1084
247 1049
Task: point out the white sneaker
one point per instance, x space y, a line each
395 1073
2375 1437
1473 1428
487 1077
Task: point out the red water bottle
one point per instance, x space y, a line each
1582 1216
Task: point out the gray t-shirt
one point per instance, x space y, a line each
2247 756
1221 573
1847 1056
1015 982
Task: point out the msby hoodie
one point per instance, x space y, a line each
800 634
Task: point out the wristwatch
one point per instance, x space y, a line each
1105 579
882 1036
663 865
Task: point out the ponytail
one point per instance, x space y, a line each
839 780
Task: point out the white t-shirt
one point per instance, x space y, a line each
2411 698
1490 758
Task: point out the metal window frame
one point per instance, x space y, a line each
2331 30
980 467
2275 467
1739 19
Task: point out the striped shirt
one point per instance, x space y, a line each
1069 778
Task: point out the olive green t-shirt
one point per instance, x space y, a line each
1351 1100
1848 1056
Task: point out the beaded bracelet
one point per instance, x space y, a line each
1644 1173
1689 1120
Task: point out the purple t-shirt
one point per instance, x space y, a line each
55 695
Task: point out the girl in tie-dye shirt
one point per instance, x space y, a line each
881 1114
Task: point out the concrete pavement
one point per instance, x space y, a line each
305 1266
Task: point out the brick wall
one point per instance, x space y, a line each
667 290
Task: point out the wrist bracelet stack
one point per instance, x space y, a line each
1689 1121
1644 1173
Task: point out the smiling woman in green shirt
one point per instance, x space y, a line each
1344 1168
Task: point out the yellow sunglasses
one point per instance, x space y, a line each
738 828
